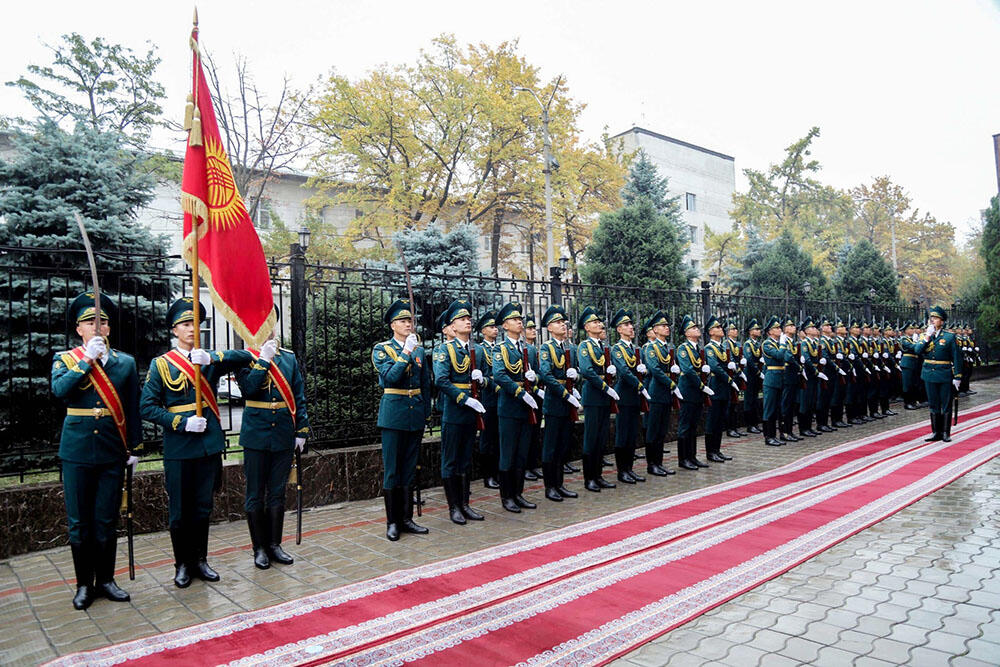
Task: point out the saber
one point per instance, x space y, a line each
413 309
298 496
97 327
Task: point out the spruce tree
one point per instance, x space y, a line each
784 268
988 323
864 269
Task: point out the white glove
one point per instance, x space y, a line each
842 371
915 337
840 357
200 357
734 385
612 371
540 393
864 355
410 344
731 365
706 369
783 339
195 424
957 383
678 394
572 400
645 394
885 355
977 349
530 376
823 377
132 462
743 376
743 361
300 444
822 361
641 369
851 356
708 390
930 330
612 393
868 371
576 394
268 349
675 369
899 354
571 374
762 375
802 358
477 376
475 405
529 399
96 348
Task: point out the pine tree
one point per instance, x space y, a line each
784 268
988 323
864 269
755 248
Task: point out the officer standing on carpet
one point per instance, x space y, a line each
275 425
857 389
828 366
627 360
597 397
774 356
402 414
556 367
453 376
514 407
887 389
791 379
192 445
489 439
908 364
843 368
732 345
722 386
662 389
942 371
811 353
100 387
531 471
692 391
754 370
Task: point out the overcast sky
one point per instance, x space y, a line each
905 88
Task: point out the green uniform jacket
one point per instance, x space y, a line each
942 358
811 351
484 362
657 360
86 439
689 382
793 368
453 378
752 353
715 355
272 429
406 391
592 374
552 374
774 357
167 387
627 383
508 373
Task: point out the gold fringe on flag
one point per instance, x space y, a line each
189 112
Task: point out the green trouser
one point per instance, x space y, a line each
399 457
627 427
190 483
596 429
557 440
93 495
515 438
267 476
939 396
456 448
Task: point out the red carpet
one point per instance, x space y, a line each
589 592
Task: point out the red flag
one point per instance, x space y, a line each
229 255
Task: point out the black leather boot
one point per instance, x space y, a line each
570 468
718 449
935 430
946 427
199 542
391 516
770 434
180 539
507 492
406 524
623 462
454 504
256 522
83 566
276 523
518 481
551 477
591 462
467 511
104 571
561 486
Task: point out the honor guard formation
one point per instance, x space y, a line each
511 402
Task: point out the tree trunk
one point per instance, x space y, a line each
495 234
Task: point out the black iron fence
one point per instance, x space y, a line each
331 317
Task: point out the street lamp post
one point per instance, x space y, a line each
549 164
806 288
297 259
555 274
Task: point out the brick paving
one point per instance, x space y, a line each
919 588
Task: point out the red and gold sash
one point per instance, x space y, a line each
106 390
181 363
280 381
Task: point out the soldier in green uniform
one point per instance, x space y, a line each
402 414
790 379
597 397
275 425
628 368
722 386
556 367
810 351
192 445
971 356
735 350
908 364
454 378
753 369
662 389
873 372
857 389
942 371
489 439
843 368
774 356
887 389
826 365
100 387
514 407
692 391
531 472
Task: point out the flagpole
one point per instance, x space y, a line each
195 281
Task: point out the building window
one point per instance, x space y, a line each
691 201
262 219
486 243
693 230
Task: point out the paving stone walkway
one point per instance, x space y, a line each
919 588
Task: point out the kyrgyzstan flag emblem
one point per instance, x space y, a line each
225 249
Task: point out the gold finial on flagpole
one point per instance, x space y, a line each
196 17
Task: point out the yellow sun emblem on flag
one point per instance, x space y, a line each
225 206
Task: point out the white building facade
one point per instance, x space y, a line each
705 181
